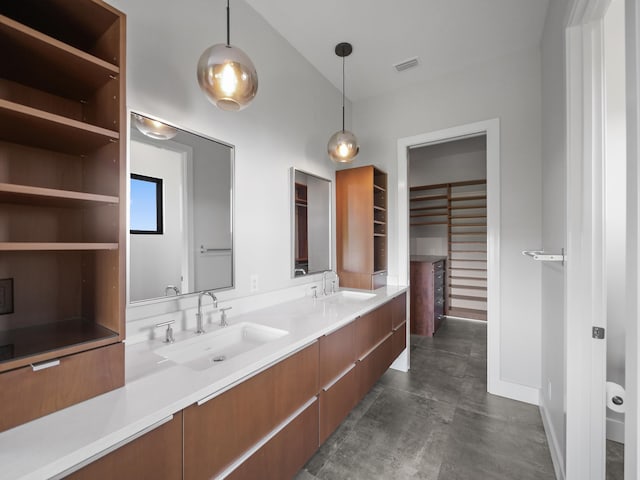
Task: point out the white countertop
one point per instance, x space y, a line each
155 388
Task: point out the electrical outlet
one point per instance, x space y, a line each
6 296
253 282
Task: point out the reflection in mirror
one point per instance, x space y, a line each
311 223
180 237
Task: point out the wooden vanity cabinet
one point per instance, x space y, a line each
370 368
219 431
372 328
156 454
62 194
361 227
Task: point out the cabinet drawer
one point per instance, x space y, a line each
372 328
337 353
157 455
219 431
399 310
378 280
286 453
398 341
28 393
371 368
336 402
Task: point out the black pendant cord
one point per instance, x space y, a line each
228 33
343 94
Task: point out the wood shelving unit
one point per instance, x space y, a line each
458 211
361 233
62 185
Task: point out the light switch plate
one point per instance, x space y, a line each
6 296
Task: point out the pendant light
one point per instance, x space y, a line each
154 128
343 145
227 76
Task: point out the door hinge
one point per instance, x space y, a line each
597 332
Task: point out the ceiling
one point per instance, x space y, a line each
445 35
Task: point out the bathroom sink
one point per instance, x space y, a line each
348 296
201 352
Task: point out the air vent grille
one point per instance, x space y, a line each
407 64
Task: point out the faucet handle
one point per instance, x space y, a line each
223 316
168 338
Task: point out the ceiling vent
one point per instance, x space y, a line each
406 65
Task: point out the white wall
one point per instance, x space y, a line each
553 229
507 88
295 112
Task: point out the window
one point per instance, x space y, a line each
146 205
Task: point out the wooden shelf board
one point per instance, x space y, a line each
462 277
381 209
461 198
468 297
446 185
70 72
468 287
467 251
379 234
54 246
469 241
453 217
51 337
379 222
467 313
379 188
469 207
429 215
467 234
33 127
429 223
468 224
25 194
419 209
424 198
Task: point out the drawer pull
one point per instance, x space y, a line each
43 365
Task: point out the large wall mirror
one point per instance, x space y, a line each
180 212
311 223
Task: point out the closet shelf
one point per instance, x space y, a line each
55 132
424 198
28 195
54 246
70 72
467 297
468 197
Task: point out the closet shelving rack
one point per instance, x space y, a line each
62 209
458 211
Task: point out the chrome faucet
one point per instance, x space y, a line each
169 288
199 326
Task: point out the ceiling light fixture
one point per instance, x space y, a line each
153 128
227 76
343 145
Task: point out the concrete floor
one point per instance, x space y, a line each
437 422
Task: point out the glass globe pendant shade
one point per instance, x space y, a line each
343 146
227 77
153 128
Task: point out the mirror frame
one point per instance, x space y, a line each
292 221
127 208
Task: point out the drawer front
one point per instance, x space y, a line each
399 310
372 328
26 394
222 429
371 368
398 341
286 453
336 403
157 455
337 353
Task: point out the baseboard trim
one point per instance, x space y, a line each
615 430
554 446
515 391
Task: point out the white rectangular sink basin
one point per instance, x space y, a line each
203 351
348 296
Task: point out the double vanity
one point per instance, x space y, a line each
258 395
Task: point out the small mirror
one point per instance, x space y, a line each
181 191
311 223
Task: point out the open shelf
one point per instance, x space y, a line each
425 198
41 339
30 126
28 195
71 72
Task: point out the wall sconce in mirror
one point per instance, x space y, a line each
153 128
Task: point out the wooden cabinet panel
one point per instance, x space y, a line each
371 368
337 353
398 310
372 328
156 455
336 402
427 294
26 394
399 341
286 453
220 430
